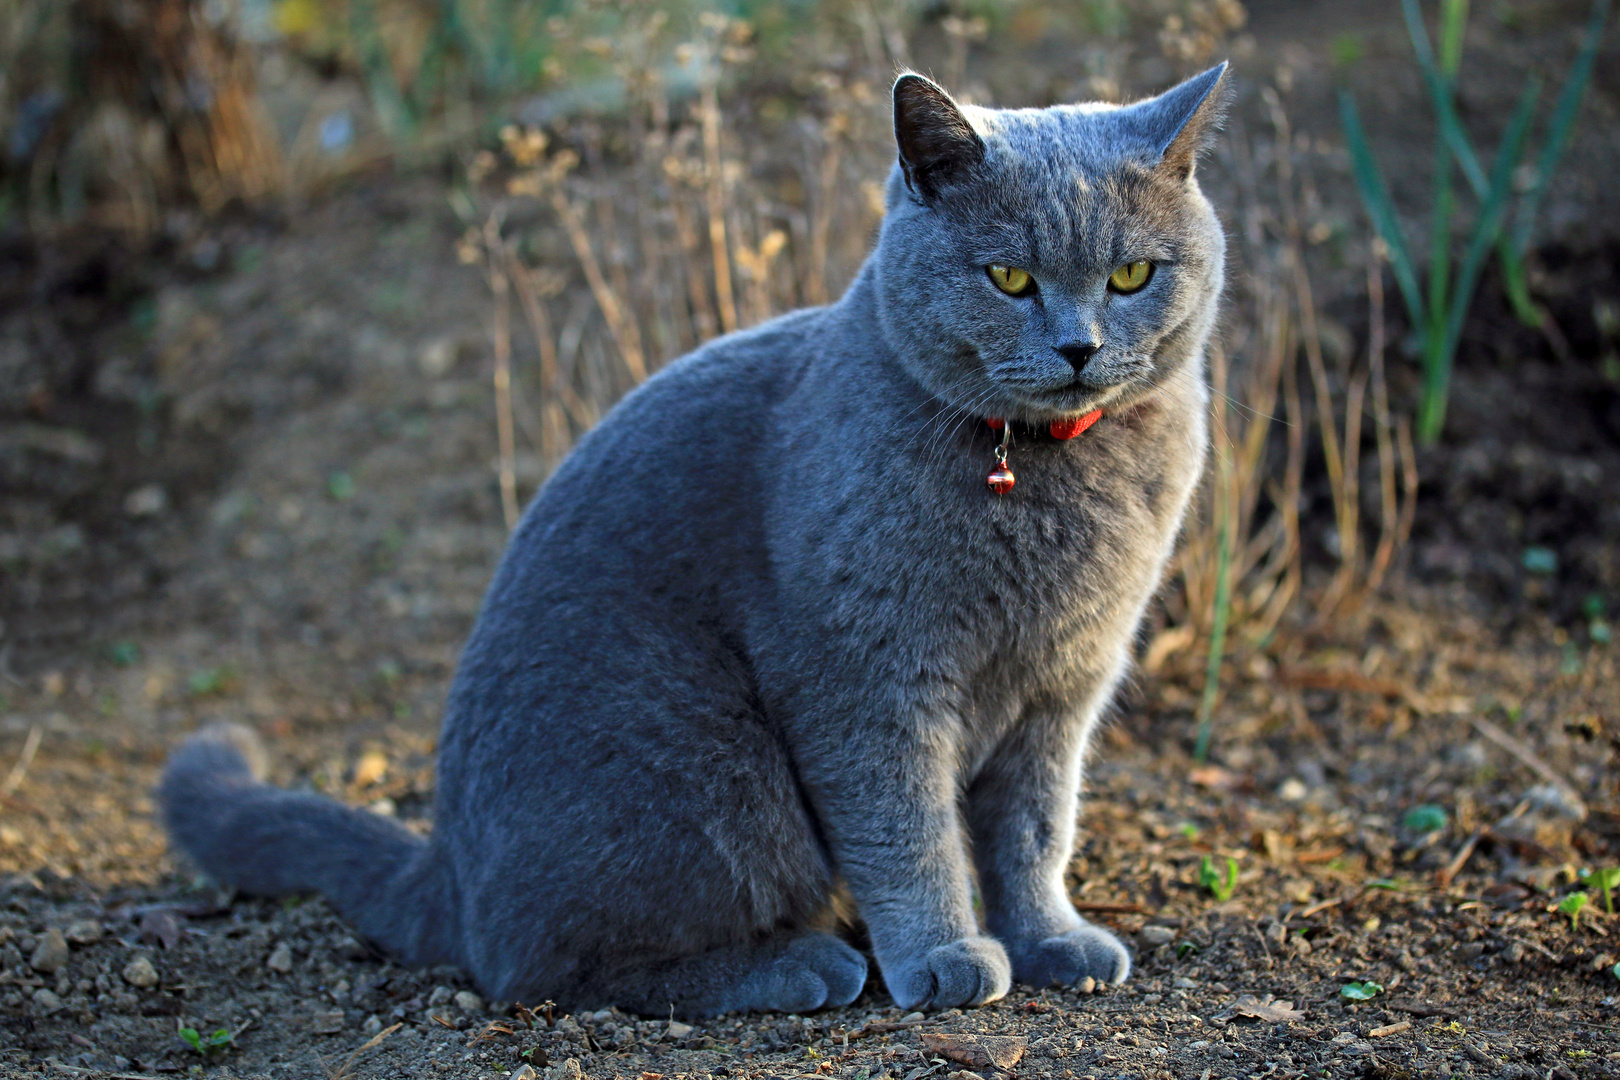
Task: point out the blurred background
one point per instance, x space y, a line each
301 301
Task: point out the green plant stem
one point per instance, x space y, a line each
1563 121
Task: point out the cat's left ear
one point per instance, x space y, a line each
1182 122
937 144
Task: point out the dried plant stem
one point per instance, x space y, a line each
816 280
626 335
714 173
1223 554
697 293
19 771
501 332
556 388
1388 508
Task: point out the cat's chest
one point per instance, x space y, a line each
918 564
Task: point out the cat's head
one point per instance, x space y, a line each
1041 263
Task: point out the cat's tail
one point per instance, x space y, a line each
387 882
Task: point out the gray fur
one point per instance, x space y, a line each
766 636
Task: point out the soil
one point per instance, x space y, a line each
249 478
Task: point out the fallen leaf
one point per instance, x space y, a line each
978 1051
161 927
372 766
1272 1012
1216 778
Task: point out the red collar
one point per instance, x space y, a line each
1001 478
1062 430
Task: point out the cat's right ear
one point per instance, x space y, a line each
937 144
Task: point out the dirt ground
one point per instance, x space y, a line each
253 482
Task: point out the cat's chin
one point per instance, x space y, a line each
1070 402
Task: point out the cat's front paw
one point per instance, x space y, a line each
1066 959
970 971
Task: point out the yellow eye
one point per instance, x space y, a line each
1010 279
1130 277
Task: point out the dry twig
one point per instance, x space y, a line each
1531 760
19 771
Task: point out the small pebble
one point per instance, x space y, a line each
1156 935
1184 983
46 1001
440 996
140 973
1087 985
281 958
678 1030
329 1022
83 932
469 1002
910 1018
372 1025
522 1072
51 954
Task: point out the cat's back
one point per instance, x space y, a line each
658 504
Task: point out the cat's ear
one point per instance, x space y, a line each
937 144
1182 122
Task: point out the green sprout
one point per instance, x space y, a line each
207 1045
1571 905
1425 819
1361 990
1540 560
1606 880
1210 878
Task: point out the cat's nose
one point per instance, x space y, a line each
1078 353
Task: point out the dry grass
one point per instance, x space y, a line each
684 236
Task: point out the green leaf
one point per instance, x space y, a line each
1540 560
1489 222
1607 878
1563 120
1427 818
1439 89
1571 905
1381 208
190 1037
1615 971
340 485
1361 991
1210 878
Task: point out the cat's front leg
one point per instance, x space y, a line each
1021 812
891 820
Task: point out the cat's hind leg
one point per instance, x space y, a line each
791 973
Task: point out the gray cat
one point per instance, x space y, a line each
827 609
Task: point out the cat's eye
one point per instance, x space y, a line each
1130 277
1010 279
